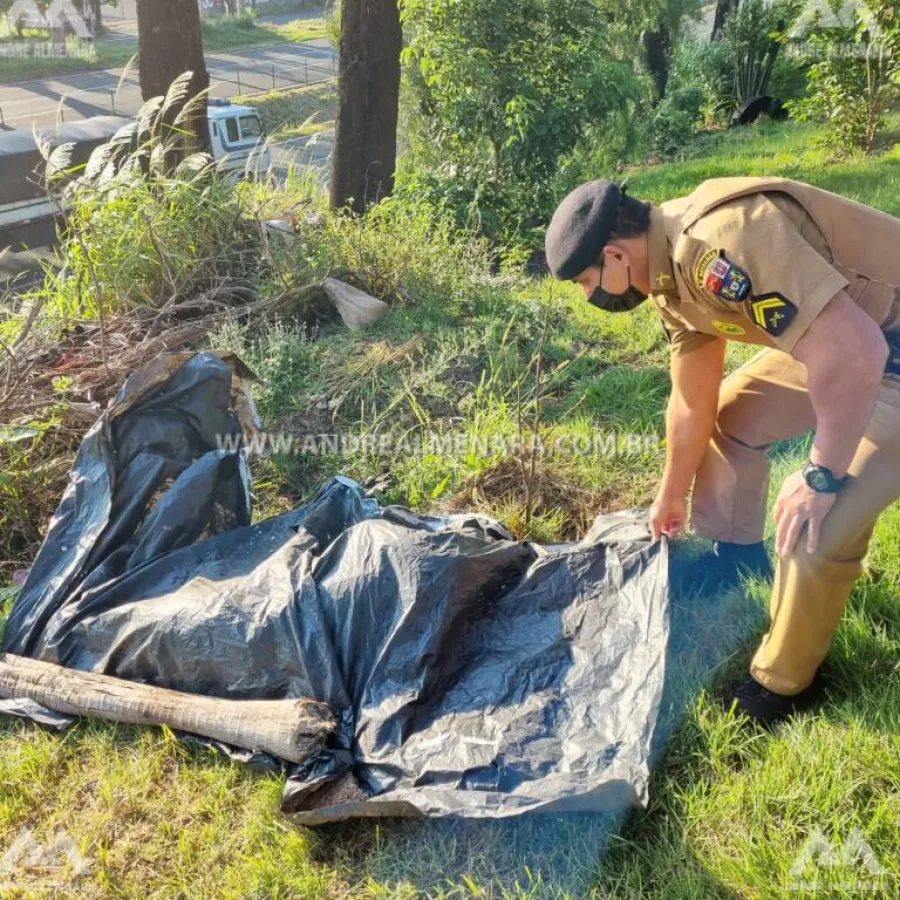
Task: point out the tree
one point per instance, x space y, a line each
652 29
657 45
365 143
97 15
724 8
169 44
505 90
92 10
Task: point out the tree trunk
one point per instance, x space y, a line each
97 16
169 44
724 8
288 729
656 46
365 144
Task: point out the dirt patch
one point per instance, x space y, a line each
550 492
372 358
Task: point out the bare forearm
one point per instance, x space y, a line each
843 409
691 416
688 432
845 354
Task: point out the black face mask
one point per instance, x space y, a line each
617 303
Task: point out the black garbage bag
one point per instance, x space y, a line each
471 674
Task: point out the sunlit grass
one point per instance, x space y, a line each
788 150
298 112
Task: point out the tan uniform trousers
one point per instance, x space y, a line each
763 402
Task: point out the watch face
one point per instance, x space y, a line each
821 480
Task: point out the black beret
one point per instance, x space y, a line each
581 227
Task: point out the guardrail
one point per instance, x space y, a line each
280 79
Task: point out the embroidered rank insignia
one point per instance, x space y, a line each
773 313
662 280
723 278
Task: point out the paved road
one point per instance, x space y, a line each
95 93
305 153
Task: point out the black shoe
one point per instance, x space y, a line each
744 559
767 708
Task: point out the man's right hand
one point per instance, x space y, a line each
667 516
690 422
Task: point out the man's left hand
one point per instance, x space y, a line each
798 505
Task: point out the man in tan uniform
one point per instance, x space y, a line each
814 279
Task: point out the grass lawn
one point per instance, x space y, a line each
219 34
730 809
297 112
301 30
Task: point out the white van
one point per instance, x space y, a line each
238 139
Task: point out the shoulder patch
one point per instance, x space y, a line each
773 312
718 275
700 271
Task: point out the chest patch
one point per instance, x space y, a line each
773 312
729 327
718 275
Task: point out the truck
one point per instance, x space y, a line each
28 216
237 139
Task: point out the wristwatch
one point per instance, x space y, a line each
822 480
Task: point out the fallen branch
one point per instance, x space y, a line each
288 729
30 319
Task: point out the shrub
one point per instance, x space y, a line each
709 80
502 92
675 120
754 35
856 78
159 262
754 32
707 67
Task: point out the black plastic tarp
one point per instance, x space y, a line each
471 674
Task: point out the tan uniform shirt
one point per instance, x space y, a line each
757 260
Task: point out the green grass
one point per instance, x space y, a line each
297 112
791 151
219 34
730 808
302 30
229 32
